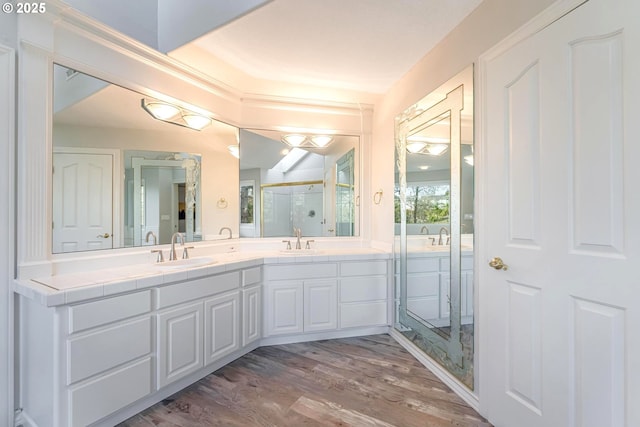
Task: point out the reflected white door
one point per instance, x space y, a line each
559 341
82 202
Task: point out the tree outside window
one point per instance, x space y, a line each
427 203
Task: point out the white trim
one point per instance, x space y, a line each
7 201
458 388
545 18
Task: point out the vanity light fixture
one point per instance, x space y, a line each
300 140
321 140
160 110
169 113
294 139
196 121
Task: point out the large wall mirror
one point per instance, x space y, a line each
434 225
293 180
122 169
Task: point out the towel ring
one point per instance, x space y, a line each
222 203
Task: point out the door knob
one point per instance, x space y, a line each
498 264
103 236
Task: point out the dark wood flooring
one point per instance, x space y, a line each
364 381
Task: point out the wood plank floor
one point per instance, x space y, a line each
364 381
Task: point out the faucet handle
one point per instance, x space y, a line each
160 257
288 242
308 246
185 252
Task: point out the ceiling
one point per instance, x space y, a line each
363 45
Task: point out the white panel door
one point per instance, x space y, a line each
320 305
561 209
251 314
179 343
221 326
82 206
283 313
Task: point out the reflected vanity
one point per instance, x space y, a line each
434 225
298 181
120 173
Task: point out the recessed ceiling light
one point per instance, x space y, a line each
423 168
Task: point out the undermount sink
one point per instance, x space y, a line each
185 263
295 252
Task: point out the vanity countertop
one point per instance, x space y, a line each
77 287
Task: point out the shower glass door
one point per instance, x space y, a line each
434 225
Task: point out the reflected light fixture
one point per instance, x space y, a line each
234 150
310 141
415 146
436 149
321 140
423 168
170 113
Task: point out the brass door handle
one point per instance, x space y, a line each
498 264
103 236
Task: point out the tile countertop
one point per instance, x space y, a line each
77 287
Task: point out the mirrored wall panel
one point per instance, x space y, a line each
434 225
129 170
302 181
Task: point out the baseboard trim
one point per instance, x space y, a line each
458 388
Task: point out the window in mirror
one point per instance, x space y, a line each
98 129
305 181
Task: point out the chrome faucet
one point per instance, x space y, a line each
446 233
151 234
424 230
172 252
228 229
298 234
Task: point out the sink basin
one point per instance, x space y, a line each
294 252
185 263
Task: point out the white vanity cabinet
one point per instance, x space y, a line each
303 298
196 334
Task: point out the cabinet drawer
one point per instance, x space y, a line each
363 289
106 349
363 268
97 313
196 289
300 271
363 314
251 276
97 399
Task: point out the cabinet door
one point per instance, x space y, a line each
320 305
283 308
445 286
251 314
221 326
179 343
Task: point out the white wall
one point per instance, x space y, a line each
492 21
